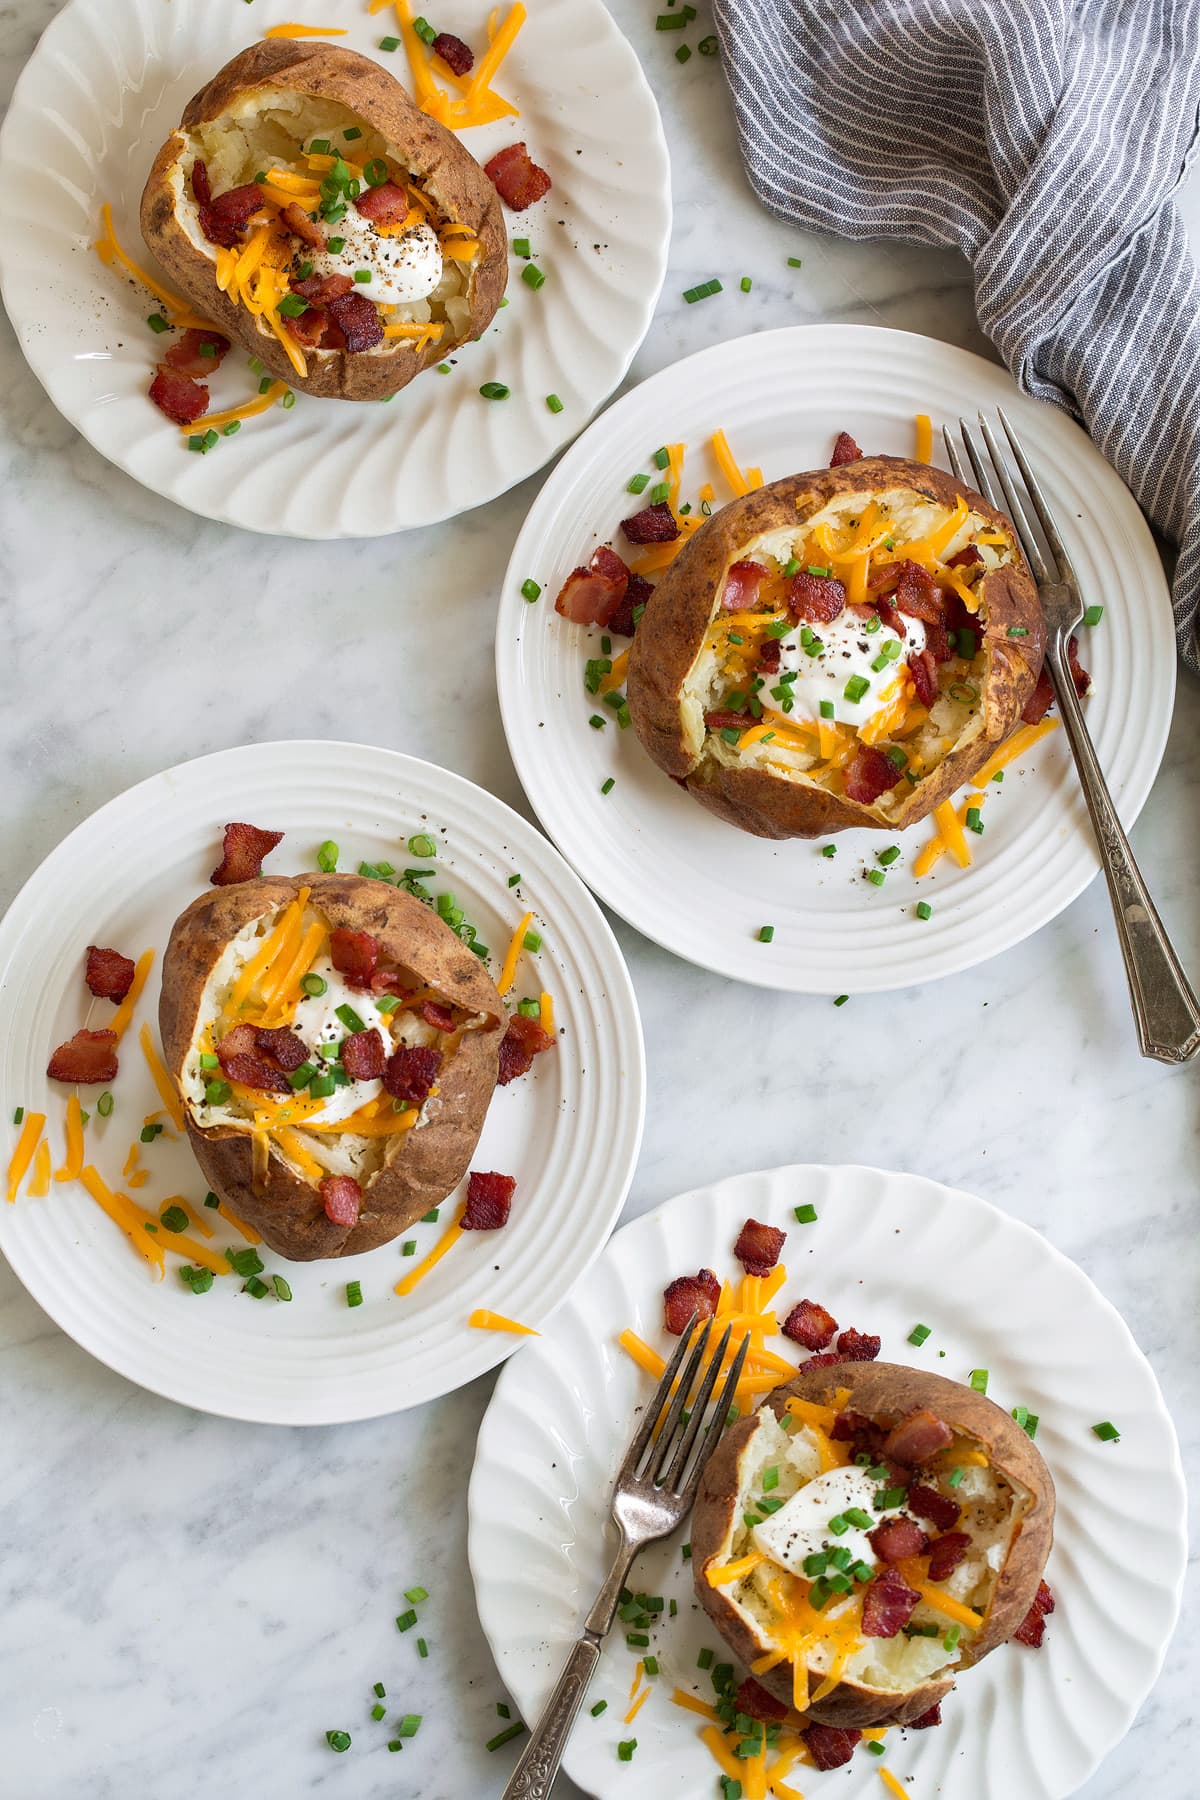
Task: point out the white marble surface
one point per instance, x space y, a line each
186 1604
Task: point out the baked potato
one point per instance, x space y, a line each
335 1045
915 1523
841 648
318 218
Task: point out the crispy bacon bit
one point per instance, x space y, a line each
741 585
828 1745
809 1324
319 290
1040 701
869 775
753 1700
851 1427
844 450
758 1247
1079 675
727 721
108 974
363 1056
354 954
489 1201
927 1719
182 399
201 188
437 1015
453 52
283 1047
358 321
252 1072
897 1538
242 851
937 642
342 1198
524 1039
815 599
922 666
87 1057
301 226
410 1072
929 1503
386 204
653 525
309 327
770 656
917 593
517 178
918 1437
889 616
224 219
591 596
241 1040
637 592
1032 1629
966 558
887 1605
197 352
825 1360
688 1295
946 1554
857 1346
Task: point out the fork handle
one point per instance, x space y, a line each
1165 1007
534 1775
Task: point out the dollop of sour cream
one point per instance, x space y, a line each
402 268
801 1527
317 1022
841 654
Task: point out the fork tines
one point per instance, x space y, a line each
664 1442
1021 497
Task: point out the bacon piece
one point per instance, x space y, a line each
688 1295
637 592
929 1503
242 1040
301 226
489 1201
251 1072
182 399
811 1325
354 954
753 1700
197 352
937 645
516 177
309 327
358 320
1032 1629
887 1605
410 1072
453 52
918 594
828 1745
524 1039
319 290
437 1015
201 187
857 1346
815 599
741 585
591 596
109 975
927 1719
825 1360
653 525
363 1056
966 558
1079 675
386 204
1040 701
855 1428
728 721
758 1247
897 1538
224 219
922 666
946 1554
283 1047
770 656
845 450
342 1199
389 981
917 1437
889 616
869 775
242 851
87 1057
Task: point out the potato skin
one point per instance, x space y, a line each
679 612
421 1166
885 1392
443 166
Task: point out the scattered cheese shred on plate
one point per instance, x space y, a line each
22 1156
483 1320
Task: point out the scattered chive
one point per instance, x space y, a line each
597 723
156 322
354 1293
705 1658
978 1379
1018 631
389 43
415 1595
876 877
1107 1432
637 1640
919 1333
406 1620
806 1214
410 1725
210 1199
924 910
626 1748
173 1219
955 1477
409 1247
841 1000
747 284
687 1557
875 1748
608 786
530 588
422 1647
554 403
338 1740
532 276
765 933
600 1706
495 390
1093 615
521 247
506 1736
887 857
708 46
795 262
377 1711
283 1289
430 1218
104 1104
829 850
855 688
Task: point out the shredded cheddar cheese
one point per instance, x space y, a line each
22 1156
249 409
445 1243
125 1214
642 1354
892 1785
924 446
109 249
717 1744
509 969
637 1706
239 1225
304 31
73 1159
483 1320
727 464
162 1081
1022 740
722 1574
120 1019
39 1185
546 1015
691 1704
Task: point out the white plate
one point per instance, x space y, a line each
101 93
569 1131
703 888
888 1251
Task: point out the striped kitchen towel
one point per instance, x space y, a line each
1042 138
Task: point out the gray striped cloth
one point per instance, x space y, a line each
1042 138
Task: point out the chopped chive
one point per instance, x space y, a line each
521 247
806 1214
683 54
354 1293
377 1711
415 1595
216 1093
659 493
1107 1432
747 284
1093 615
955 1477
708 46
506 1736
650 1664
765 933
338 1740
686 1553
919 1333
422 1647
532 276
327 859
875 1748
282 1287
625 1749
608 786
430 1218
887 857
104 1104
876 877
173 1219
637 1640
530 588
554 403
597 723
637 484
855 688
705 1658
950 1641
210 1199
600 1706
406 1620
841 1000
395 1744
409 1247
244 1262
978 1379
795 262
410 1724
829 850
924 910
974 821
157 323
495 390
858 1517
389 43
1018 631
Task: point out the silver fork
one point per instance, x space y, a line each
1164 1004
652 1496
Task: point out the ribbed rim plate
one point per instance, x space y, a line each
703 888
102 91
887 1251
569 1131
